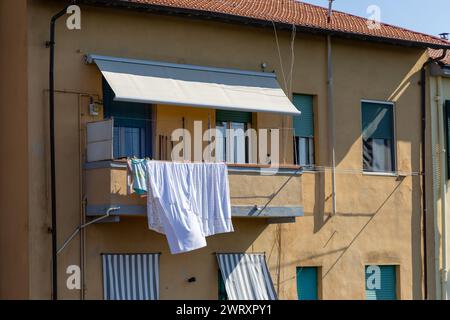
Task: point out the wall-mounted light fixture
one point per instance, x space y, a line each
263 66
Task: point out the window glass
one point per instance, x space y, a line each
232 144
221 141
304 131
132 126
238 143
304 151
378 137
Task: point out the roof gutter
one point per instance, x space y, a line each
208 15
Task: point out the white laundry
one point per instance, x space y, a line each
188 202
212 197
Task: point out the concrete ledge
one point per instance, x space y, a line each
236 211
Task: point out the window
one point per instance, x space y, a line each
222 291
381 282
304 131
378 136
132 125
447 127
307 283
232 146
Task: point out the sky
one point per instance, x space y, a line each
427 16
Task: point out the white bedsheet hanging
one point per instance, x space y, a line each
188 202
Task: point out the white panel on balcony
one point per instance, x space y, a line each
100 140
186 85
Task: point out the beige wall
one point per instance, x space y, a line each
378 220
14 173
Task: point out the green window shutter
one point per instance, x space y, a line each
233 116
381 282
304 124
447 127
307 279
222 290
377 120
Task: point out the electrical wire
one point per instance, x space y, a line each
294 34
279 56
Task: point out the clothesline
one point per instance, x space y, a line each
310 169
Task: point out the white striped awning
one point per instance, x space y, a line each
246 276
130 276
155 82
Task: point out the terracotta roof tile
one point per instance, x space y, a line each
298 13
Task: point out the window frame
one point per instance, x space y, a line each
296 145
394 172
148 144
397 279
227 141
296 158
318 280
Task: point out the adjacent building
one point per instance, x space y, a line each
438 105
340 219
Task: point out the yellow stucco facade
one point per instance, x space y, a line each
14 204
378 219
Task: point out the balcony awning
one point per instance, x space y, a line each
246 276
186 85
131 276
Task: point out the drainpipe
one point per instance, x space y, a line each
423 83
332 132
332 137
51 44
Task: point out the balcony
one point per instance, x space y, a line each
181 97
276 197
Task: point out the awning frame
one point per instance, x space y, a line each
281 104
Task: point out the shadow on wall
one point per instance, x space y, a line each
344 249
372 216
320 218
132 235
404 88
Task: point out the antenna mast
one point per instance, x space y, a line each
330 10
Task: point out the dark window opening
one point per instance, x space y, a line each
378 137
132 126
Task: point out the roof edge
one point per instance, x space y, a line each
208 15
